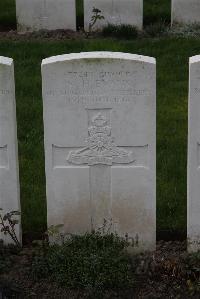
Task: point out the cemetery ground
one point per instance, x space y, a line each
169 260
172 69
154 11
109 272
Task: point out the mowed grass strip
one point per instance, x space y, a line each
172 89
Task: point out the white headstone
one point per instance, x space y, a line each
185 11
194 156
9 173
100 143
33 15
115 12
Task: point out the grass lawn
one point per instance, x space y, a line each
172 79
172 88
7 14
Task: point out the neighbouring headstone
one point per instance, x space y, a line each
116 12
194 156
185 11
100 144
34 15
9 172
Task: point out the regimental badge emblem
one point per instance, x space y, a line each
101 148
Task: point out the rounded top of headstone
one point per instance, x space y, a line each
195 59
6 60
98 55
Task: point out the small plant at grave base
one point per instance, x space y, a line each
53 233
8 224
95 17
192 272
106 227
40 263
54 230
93 261
157 29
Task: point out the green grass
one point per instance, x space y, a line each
79 14
172 80
157 11
7 14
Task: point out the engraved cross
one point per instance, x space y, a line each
101 154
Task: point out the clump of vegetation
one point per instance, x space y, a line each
95 17
192 271
120 31
92 261
8 224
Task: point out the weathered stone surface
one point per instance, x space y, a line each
100 143
115 12
185 11
9 173
194 156
33 15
